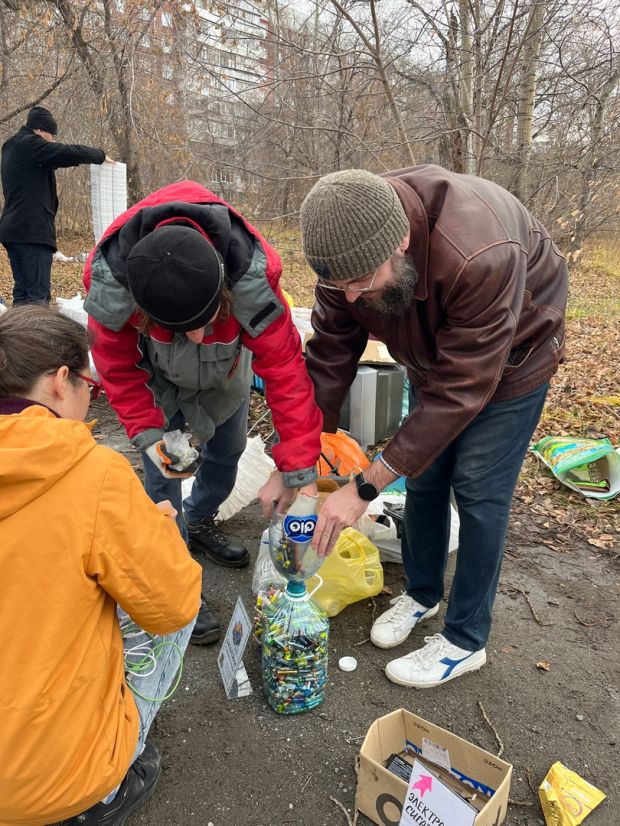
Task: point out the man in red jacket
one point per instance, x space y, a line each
184 302
468 292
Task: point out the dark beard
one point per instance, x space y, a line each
396 298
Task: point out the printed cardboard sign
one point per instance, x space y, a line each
229 660
430 802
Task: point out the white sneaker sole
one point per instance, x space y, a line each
476 665
382 644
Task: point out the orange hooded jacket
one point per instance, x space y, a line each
78 535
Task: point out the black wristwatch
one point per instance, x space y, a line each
365 489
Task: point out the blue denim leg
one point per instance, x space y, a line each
32 268
482 466
216 476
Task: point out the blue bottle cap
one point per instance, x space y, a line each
295 589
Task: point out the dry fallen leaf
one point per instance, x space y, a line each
543 665
598 543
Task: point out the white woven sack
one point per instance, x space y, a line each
254 469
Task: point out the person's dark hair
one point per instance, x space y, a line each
35 340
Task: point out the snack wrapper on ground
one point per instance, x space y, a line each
589 466
566 798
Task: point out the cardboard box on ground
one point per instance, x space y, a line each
481 777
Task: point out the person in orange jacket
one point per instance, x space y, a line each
87 561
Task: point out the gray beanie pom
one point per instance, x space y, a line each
351 223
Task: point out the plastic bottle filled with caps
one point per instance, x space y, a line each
294 651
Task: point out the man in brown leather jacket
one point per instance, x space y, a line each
468 292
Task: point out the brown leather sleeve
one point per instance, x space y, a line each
471 351
332 355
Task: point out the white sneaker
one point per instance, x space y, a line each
395 624
436 663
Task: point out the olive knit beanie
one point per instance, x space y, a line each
351 222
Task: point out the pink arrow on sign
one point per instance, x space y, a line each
424 784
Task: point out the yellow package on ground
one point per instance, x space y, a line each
566 798
351 572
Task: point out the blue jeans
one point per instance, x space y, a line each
155 685
32 271
216 476
482 466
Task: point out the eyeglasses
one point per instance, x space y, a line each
94 387
349 288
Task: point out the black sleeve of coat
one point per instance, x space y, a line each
50 153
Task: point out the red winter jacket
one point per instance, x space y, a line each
148 377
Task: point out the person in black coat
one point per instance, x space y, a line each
27 225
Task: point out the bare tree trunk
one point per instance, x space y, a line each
593 160
115 110
377 55
122 116
527 97
466 85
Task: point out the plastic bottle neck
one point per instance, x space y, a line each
295 589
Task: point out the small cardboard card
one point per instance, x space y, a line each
430 802
375 351
229 660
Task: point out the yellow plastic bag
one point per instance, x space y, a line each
566 798
351 572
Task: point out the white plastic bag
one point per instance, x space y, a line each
265 575
74 308
253 471
389 545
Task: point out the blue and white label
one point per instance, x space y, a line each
300 528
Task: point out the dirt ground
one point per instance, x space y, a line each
237 763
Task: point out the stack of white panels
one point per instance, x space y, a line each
108 183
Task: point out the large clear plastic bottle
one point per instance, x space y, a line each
295 630
289 539
294 651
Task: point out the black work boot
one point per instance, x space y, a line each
207 537
138 785
207 629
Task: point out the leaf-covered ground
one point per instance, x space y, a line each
584 399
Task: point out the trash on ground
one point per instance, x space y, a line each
386 514
74 308
566 798
347 663
588 466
